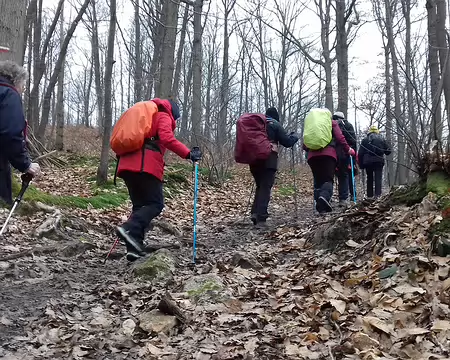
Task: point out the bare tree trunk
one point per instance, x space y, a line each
186 96
168 49
137 54
96 63
196 114
443 46
406 7
176 78
224 88
12 29
342 31
59 142
56 71
102 171
436 123
87 96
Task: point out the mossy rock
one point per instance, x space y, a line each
156 267
439 183
206 288
408 195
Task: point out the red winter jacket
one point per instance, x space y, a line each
151 161
330 150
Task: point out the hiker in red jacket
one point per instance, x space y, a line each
323 166
143 173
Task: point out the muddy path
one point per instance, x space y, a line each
59 304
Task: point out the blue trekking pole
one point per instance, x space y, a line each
353 179
194 245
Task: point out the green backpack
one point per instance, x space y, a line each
318 131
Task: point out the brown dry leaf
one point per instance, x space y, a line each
303 352
408 289
441 325
446 284
363 341
379 324
339 305
402 333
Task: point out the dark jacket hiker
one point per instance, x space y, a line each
264 170
13 126
371 158
344 171
143 172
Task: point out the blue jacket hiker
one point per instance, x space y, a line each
12 128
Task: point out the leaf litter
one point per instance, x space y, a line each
360 285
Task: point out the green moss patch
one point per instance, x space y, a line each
159 265
285 191
439 183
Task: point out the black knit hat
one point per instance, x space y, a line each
175 109
273 113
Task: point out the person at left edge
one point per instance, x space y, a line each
13 128
143 173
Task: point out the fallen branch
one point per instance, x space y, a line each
35 251
154 247
168 306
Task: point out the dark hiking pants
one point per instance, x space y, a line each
264 180
374 175
323 169
146 195
344 179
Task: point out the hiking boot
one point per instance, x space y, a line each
131 243
262 225
323 206
133 256
254 219
343 203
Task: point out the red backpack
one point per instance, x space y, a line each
252 142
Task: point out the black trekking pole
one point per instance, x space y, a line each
295 182
26 180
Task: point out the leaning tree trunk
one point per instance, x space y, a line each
12 29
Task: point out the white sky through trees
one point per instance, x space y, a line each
366 54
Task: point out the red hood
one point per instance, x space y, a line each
165 104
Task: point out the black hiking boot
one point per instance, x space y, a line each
254 219
133 256
131 243
323 206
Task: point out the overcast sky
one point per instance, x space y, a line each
366 53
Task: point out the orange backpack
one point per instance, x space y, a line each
133 127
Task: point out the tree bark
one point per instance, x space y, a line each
177 75
197 73
12 29
436 123
443 46
96 63
102 171
137 54
59 142
168 49
54 78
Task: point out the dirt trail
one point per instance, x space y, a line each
263 294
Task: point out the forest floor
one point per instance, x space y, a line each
359 284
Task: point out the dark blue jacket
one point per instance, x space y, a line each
12 137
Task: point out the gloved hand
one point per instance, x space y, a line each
351 152
34 169
195 154
295 135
